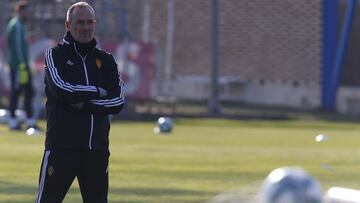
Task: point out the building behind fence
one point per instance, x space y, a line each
270 51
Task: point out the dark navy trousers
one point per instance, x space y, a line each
59 168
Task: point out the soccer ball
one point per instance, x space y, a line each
164 125
290 185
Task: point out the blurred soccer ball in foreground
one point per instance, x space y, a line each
164 125
290 185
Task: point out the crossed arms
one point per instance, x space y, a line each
109 99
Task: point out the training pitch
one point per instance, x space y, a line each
200 160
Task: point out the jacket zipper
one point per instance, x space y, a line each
87 83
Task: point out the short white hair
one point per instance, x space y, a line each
78 4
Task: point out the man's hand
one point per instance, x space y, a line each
102 92
23 74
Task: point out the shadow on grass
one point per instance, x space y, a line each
158 192
155 195
8 188
11 190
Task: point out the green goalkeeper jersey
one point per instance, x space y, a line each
17 43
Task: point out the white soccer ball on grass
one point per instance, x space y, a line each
290 185
164 125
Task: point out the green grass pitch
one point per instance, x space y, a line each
200 159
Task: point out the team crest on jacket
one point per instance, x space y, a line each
98 63
70 63
50 170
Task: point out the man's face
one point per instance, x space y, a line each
24 14
81 24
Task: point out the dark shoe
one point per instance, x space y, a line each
14 124
15 128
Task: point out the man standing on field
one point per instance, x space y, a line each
83 87
20 71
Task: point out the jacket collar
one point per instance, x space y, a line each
83 49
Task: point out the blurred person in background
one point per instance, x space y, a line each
83 87
20 72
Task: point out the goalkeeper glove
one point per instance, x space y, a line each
23 74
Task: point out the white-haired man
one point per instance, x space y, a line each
83 87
